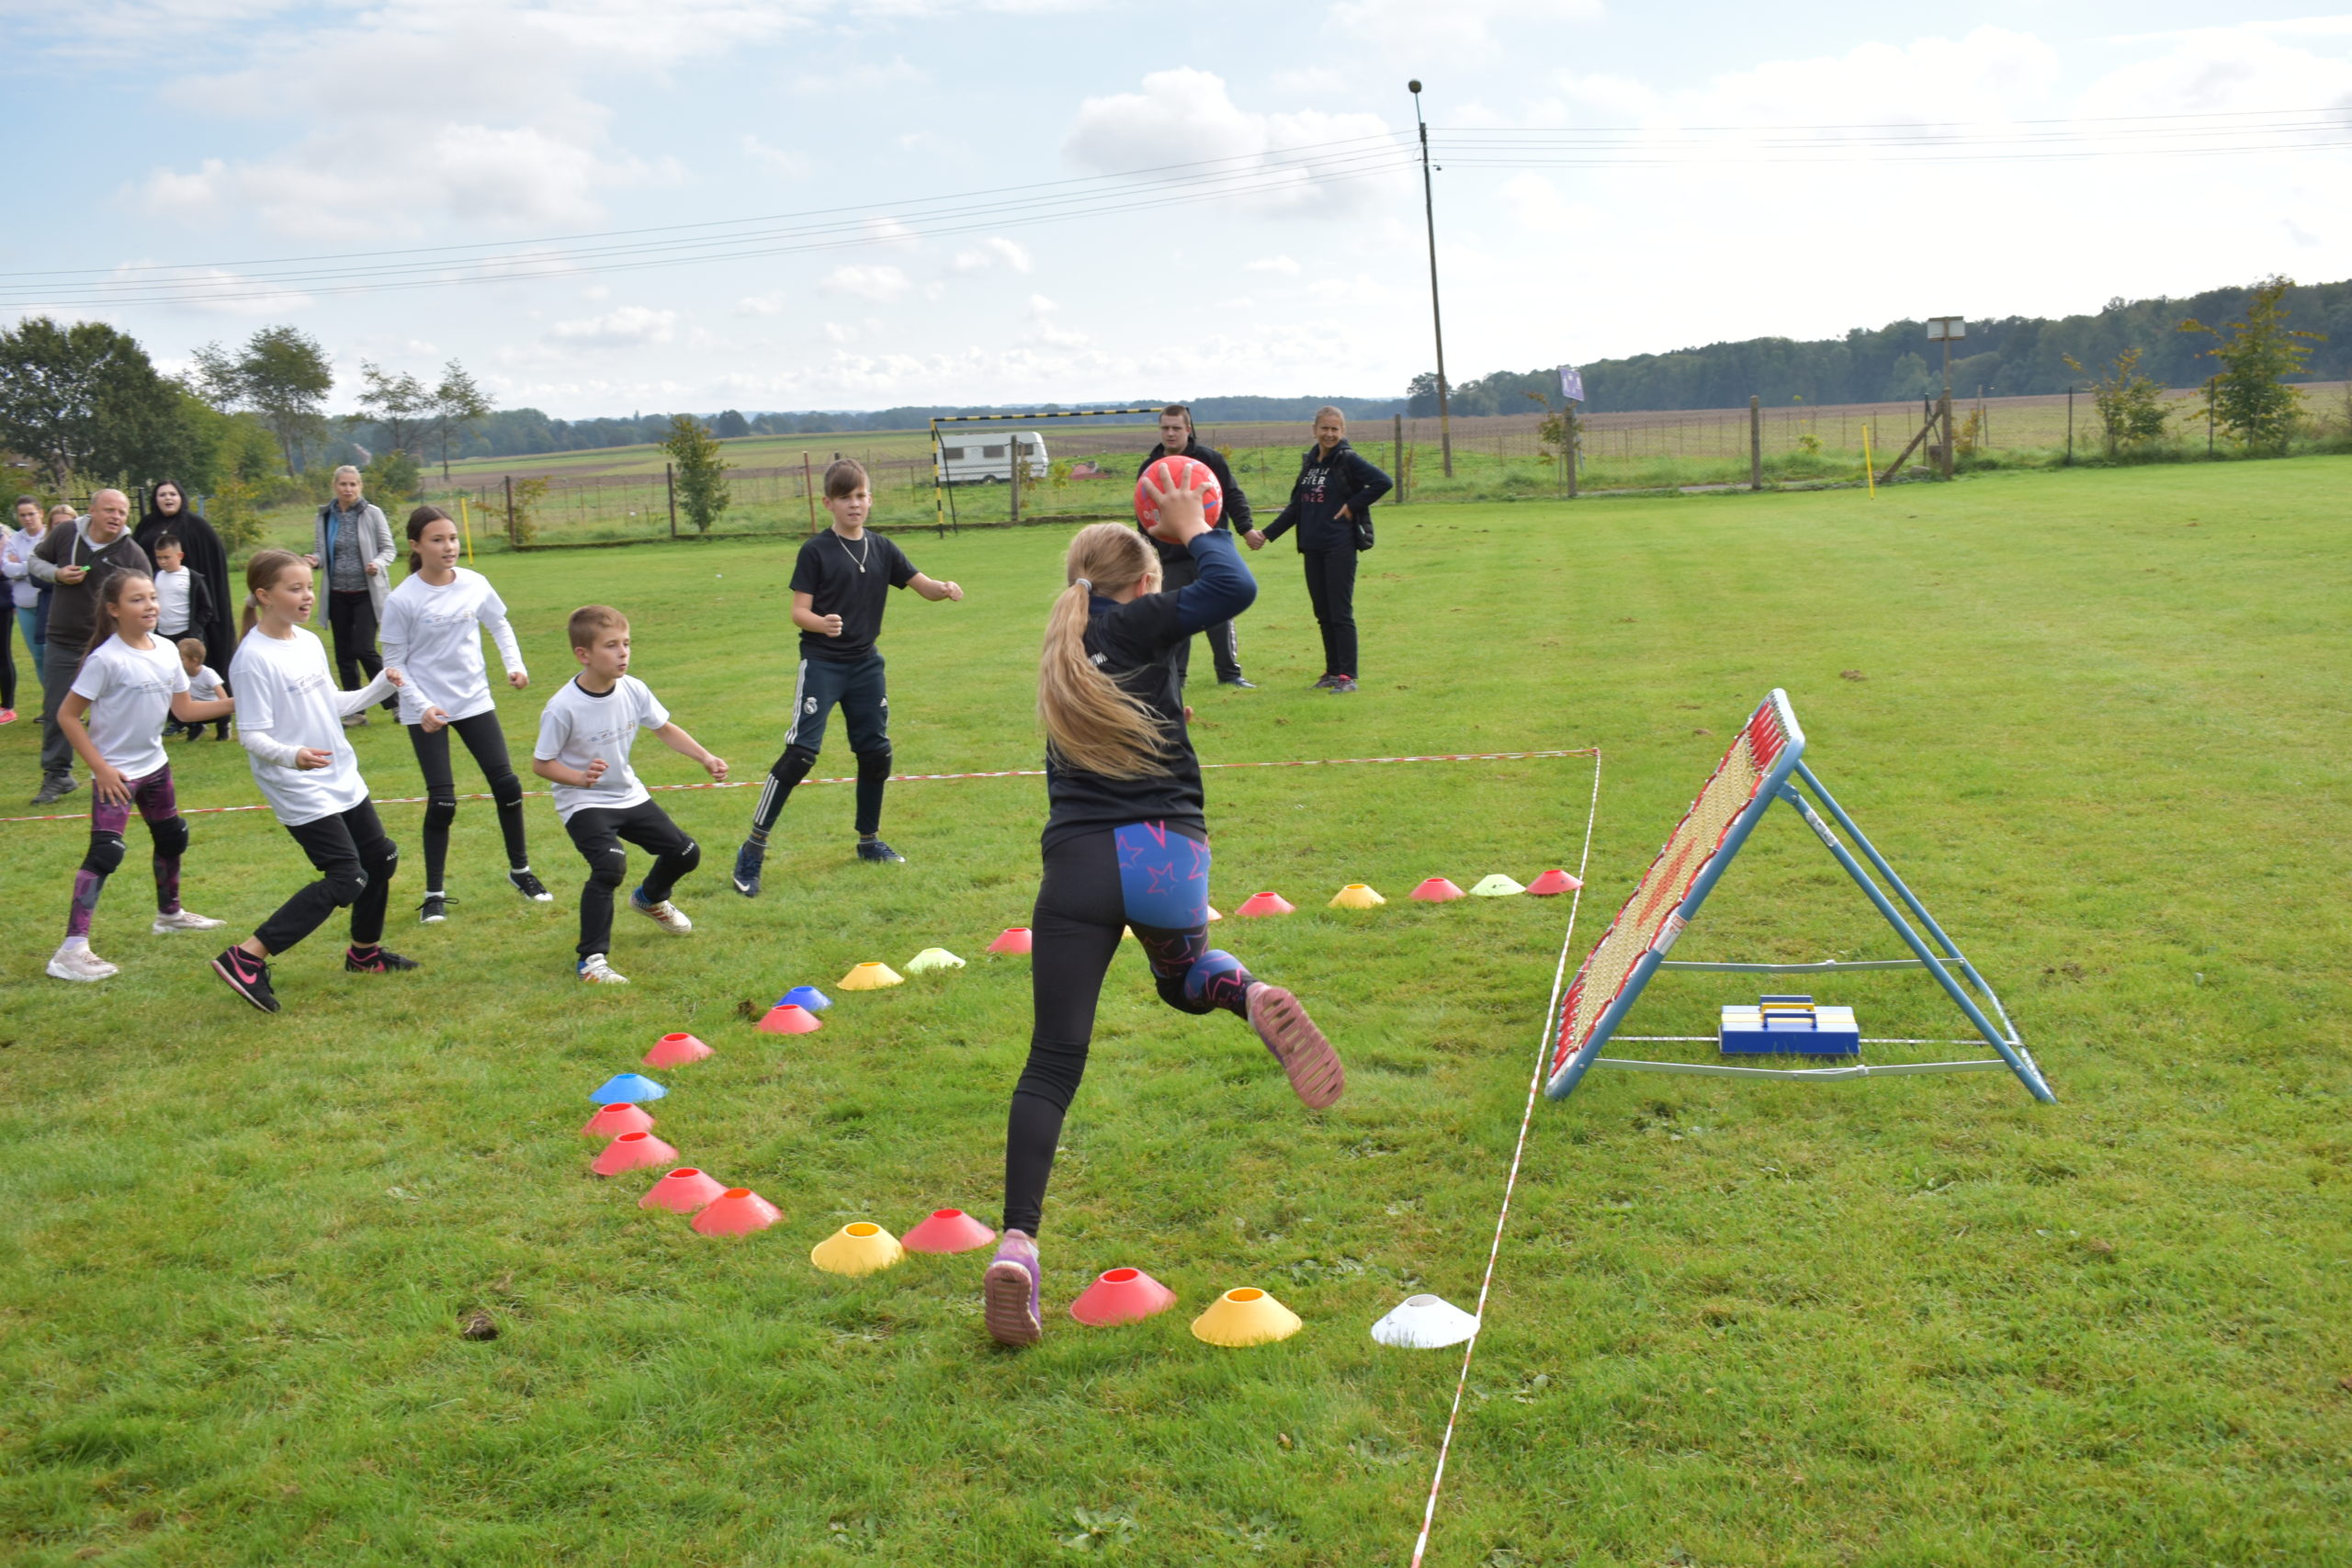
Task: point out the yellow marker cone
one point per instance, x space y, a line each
1356 895
1496 887
871 977
932 958
855 1250
1245 1316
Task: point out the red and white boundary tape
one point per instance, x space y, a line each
1526 1119
914 778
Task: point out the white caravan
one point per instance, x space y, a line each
987 458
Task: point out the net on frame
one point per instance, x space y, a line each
1649 912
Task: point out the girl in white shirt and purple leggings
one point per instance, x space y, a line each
290 717
128 684
432 633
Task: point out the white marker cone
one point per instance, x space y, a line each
1425 1322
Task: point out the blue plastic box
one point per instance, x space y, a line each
1789 1026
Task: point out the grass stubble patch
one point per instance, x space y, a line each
1903 1321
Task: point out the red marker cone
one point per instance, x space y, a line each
683 1191
790 1019
1123 1295
1267 903
1436 890
739 1211
948 1230
676 1050
632 1151
612 1121
1552 882
1014 939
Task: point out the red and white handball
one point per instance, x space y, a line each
1179 473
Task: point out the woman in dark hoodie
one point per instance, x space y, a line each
169 512
1330 507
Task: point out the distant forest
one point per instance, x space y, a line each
2007 356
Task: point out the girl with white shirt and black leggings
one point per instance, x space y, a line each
130 683
432 635
290 717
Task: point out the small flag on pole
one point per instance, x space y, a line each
1571 383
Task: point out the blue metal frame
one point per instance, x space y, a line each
2004 1039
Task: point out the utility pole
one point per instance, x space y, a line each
1437 320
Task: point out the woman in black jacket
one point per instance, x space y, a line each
1330 507
169 512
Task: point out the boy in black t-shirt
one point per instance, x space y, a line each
840 586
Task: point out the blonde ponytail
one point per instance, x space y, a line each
1091 721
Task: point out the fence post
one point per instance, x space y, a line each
809 489
1013 446
669 482
513 534
2070 426
1755 442
1943 409
1568 422
1400 464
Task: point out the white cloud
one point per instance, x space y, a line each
897 75
631 326
225 293
994 251
879 284
781 159
1186 116
1284 266
769 304
1464 32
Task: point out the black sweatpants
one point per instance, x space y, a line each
599 834
861 688
1146 875
1331 586
1225 647
487 743
356 863
352 617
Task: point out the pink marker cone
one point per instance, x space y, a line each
683 1191
676 1050
632 1151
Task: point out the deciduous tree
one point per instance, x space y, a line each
2249 398
701 473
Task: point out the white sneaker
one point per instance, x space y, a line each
594 970
185 921
666 915
79 964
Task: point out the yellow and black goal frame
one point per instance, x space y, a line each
942 495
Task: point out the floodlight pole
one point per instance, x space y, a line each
1429 210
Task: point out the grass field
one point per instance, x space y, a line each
2097 719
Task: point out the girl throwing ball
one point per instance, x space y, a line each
432 635
113 716
290 717
1125 845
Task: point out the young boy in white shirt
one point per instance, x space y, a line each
584 739
204 683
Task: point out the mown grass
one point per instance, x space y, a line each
2096 718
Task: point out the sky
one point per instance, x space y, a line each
221 136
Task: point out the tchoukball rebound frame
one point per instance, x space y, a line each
1764 763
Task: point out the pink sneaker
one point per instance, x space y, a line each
1009 1292
1282 1023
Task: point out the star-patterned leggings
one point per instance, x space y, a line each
1148 877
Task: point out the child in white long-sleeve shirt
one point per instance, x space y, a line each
289 718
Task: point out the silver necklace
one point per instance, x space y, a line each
859 559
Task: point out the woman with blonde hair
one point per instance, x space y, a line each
1125 845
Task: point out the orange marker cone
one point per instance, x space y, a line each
1267 903
683 1191
739 1211
863 1247
1122 1295
871 977
790 1019
1356 895
1245 1316
612 1121
675 1050
1014 939
632 1151
1552 882
1436 890
948 1230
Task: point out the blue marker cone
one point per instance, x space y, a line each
807 996
628 1088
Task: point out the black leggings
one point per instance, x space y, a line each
599 832
352 617
8 654
356 863
1094 886
487 743
1331 586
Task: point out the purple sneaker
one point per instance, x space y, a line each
1009 1292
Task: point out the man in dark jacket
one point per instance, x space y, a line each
1330 507
1176 566
75 560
